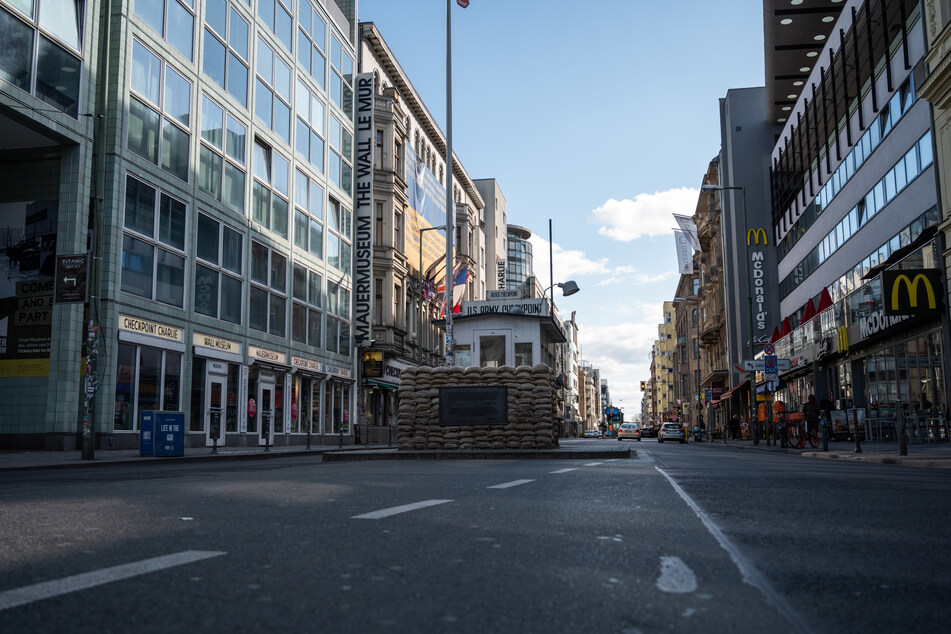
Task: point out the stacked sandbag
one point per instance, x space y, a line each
530 408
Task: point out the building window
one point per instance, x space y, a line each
277 16
171 19
307 306
309 137
398 231
272 91
378 303
339 169
269 205
268 301
146 379
222 157
159 112
379 224
311 42
226 49
338 238
338 319
153 244
341 77
308 215
57 73
218 270
378 150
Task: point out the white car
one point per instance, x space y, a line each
590 433
672 431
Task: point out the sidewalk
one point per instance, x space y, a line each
919 454
28 460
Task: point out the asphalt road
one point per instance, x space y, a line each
680 538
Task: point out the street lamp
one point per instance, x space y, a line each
419 324
749 293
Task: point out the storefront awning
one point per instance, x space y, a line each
389 386
726 395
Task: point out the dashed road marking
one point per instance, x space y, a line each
565 470
592 464
55 588
506 485
675 576
396 510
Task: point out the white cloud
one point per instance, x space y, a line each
568 263
645 215
622 353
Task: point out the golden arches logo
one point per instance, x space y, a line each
753 235
912 286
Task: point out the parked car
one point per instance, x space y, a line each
629 430
672 431
590 433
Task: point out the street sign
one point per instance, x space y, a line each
770 365
769 349
759 365
70 283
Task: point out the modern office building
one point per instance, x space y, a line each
520 268
855 210
190 164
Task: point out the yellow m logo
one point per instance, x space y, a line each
753 235
912 286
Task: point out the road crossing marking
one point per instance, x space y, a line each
506 485
57 587
396 510
565 470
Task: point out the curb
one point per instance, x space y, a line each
541 454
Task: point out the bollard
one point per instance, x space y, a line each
310 427
855 430
267 434
824 430
902 440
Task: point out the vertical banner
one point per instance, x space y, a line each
684 253
363 209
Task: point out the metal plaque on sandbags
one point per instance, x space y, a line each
470 405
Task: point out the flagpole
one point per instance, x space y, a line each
450 205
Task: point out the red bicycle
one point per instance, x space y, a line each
797 435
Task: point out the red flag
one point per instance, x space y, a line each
463 3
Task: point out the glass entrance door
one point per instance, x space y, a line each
266 408
214 409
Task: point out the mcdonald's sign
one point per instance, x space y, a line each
754 235
912 292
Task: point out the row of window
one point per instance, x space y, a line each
900 103
916 160
154 262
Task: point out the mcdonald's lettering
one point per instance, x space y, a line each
754 235
914 292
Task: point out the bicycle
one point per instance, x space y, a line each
796 435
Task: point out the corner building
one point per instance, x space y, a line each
854 208
408 218
200 153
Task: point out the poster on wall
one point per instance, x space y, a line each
28 262
427 201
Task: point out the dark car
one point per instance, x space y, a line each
648 432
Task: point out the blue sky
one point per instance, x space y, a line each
602 120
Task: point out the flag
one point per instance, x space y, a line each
684 254
687 225
460 279
463 3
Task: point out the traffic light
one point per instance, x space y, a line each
643 385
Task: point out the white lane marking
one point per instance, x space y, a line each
395 510
506 485
565 470
675 576
57 587
751 576
592 464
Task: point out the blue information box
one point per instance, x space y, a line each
169 434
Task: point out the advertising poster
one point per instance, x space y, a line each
28 262
427 200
